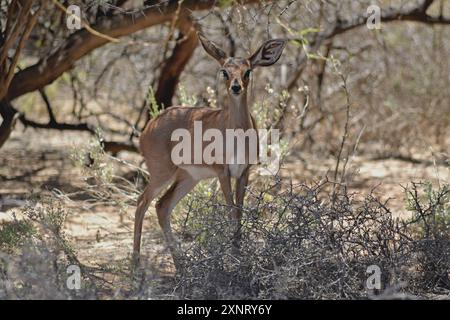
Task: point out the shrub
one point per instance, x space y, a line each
430 226
13 234
35 254
296 244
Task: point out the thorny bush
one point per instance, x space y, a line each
298 242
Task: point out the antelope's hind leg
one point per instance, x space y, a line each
183 184
152 189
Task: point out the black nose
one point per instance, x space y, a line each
236 88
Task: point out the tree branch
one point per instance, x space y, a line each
109 146
417 14
83 42
21 30
10 115
44 97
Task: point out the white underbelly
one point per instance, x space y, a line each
198 172
236 170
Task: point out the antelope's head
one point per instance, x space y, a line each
236 71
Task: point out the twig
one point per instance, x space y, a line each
84 24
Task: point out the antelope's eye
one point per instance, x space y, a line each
247 73
225 74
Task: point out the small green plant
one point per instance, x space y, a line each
14 234
430 228
430 209
50 216
225 3
264 110
152 104
184 97
93 160
212 101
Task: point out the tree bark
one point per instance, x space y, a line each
174 65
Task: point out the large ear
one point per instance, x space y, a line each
268 53
212 49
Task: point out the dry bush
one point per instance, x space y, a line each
431 232
35 254
302 244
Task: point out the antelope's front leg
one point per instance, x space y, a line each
241 184
225 184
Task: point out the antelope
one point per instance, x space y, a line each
156 144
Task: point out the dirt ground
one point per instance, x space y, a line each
34 162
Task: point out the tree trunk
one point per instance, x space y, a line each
174 65
9 115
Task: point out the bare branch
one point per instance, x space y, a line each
83 42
